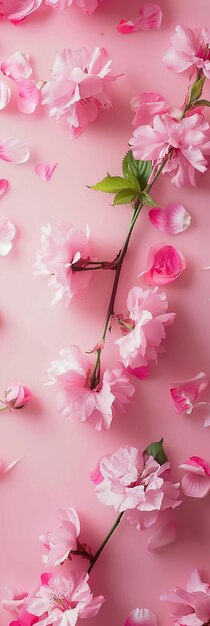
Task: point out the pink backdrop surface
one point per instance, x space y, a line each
58 454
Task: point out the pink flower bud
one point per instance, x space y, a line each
17 396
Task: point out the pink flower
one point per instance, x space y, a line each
17 396
146 106
61 542
14 151
64 600
164 265
141 617
130 481
17 10
78 89
63 249
150 16
72 371
171 219
45 170
145 329
185 142
7 234
186 394
191 607
189 49
196 479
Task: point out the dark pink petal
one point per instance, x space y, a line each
125 27
162 535
202 609
45 170
172 219
3 186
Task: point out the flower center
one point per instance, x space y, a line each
63 603
204 52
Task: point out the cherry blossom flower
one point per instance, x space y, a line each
190 49
185 394
4 184
72 372
150 17
64 600
17 396
196 479
130 482
185 142
144 329
14 151
61 542
17 10
78 89
164 265
45 170
146 106
88 6
172 219
64 248
7 234
141 617
192 606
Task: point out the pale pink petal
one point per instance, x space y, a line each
146 106
45 171
7 233
150 16
3 186
162 535
5 95
194 485
28 96
202 609
172 219
141 617
17 66
14 150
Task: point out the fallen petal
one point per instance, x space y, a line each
172 219
141 617
5 95
125 27
3 186
150 16
14 150
162 535
17 66
28 96
7 233
45 170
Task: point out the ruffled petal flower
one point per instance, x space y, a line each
164 265
196 479
45 170
16 10
187 608
150 17
163 534
172 219
190 49
14 151
17 66
7 234
146 106
61 542
141 617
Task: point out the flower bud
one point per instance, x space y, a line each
17 396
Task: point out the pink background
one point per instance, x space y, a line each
58 454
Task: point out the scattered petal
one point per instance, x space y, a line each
4 184
28 95
172 219
150 17
162 535
164 265
5 95
17 66
141 617
146 106
196 479
7 234
45 170
17 10
185 394
14 150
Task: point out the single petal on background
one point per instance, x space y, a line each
45 170
172 219
14 151
7 233
17 66
4 184
141 617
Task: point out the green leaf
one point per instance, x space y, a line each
146 199
204 103
140 169
196 91
156 450
111 184
125 196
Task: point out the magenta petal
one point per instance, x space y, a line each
45 170
172 219
3 186
141 617
125 27
162 535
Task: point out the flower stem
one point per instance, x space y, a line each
103 544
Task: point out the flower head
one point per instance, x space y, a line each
164 265
190 49
63 540
77 399
17 396
196 479
191 606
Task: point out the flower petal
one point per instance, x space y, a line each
141 617
3 186
28 96
5 95
162 535
14 150
172 219
17 66
45 170
195 485
7 233
8 468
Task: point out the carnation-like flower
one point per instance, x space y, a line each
191 606
185 395
63 540
190 48
64 600
196 479
17 10
146 106
141 617
88 6
78 89
17 396
185 142
144 329
63 248
77 399
130 481
164 265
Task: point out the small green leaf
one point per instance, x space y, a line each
146 199
204 103
111 184
156 450
140 169
125 196
196 91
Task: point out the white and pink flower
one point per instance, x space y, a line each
164 265
78 89
141 617
191 606
77 398
196 478
146 106
64 248
60 543
172 219
150 17
190 49
144 329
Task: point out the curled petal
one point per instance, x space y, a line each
162 535
14 150
195 486
7 233
185 394
5 95
172 219
17 10
3 186
125 27
164 265
17 66
45 170
141 617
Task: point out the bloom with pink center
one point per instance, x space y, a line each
196 479
172 219
17 396
78 89
150 17
130 481
63 540
190 49
186 393
191 606
64 600
141 617
148 316
146 106
164 265
185 142
77 399
64 248
17 10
